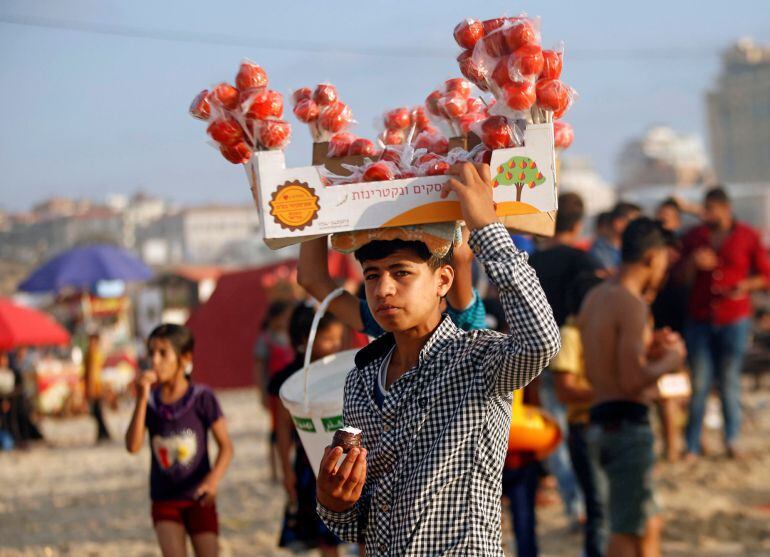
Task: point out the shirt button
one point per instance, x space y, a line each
384 508
383 547
386 428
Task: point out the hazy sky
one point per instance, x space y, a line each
95 92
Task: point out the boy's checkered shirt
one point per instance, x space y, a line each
437 446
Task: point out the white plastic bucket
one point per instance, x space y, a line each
313 395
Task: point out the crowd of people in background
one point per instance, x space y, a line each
652 315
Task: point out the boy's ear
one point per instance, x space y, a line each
446 276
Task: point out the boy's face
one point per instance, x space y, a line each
402 291
657 261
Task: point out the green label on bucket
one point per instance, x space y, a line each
305 424
333 423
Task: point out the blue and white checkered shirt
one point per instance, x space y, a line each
437 446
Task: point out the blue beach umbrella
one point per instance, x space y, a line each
82 267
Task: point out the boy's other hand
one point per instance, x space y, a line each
473 187
338 490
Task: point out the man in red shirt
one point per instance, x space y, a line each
723 262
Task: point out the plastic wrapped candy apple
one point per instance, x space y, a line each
362 146
431 140
467 121
520 95
240 153
200 107
496 133
306 110
468 32
398 119
526 62
393 137
553 99
563 134
250 76
552 64
264 104
339 144
459 86
420 119
453 105
226 95
471 69
274 134
301 94
325 94
226 131
335 117
379 171
437 167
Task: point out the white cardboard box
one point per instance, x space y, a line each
295 206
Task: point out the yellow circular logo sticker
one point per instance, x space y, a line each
294 205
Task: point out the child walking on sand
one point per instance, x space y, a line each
178 416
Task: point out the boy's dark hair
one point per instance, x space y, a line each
379 249
641 235
717 195
570 213
300 323
275 309
180 337
670 202
624 210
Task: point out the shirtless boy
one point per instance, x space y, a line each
623 360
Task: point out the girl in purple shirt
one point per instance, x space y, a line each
178 416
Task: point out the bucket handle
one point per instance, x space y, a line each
322 307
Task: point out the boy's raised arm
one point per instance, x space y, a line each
313 276
513 360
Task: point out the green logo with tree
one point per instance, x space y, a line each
519 172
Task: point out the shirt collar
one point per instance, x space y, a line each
377 349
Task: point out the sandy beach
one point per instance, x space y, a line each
70 498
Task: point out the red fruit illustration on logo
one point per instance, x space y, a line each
527 174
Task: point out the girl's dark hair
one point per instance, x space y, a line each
274 310
380 249
300 323
180 337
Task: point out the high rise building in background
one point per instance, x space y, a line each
663 156
739 114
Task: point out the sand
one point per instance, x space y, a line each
71 498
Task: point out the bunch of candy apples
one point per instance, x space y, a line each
504 56
243 118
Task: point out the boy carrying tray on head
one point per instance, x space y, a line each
433 401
